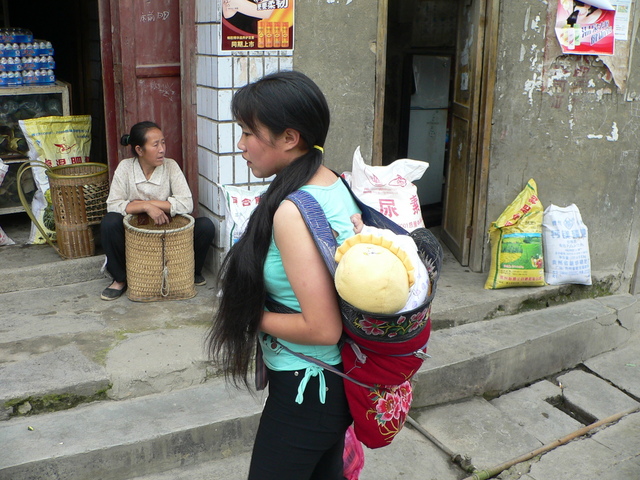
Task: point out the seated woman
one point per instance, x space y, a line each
148 183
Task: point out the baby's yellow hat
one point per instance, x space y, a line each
373 274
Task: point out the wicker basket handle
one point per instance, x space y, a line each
23 199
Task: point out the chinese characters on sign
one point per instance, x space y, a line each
526 208
257 25
571 256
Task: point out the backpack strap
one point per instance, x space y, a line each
372 217
318 225
320 229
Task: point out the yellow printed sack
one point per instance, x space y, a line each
516 243
55 141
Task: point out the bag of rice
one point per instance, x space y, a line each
516 243
240 204
389 189
566 246
55 141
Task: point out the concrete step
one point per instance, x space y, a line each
508 352
65 341
20 272
486 434
118 440
157 432
24 266
144 348
410 456
494 433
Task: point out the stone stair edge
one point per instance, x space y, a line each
119 434
44 275
448 310
232 429
570 339
89 376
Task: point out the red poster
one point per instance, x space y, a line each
584 29
257 25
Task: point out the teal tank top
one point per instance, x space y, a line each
338 206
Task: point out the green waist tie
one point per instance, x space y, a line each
312 371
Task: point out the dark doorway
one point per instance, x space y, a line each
72 26
421 44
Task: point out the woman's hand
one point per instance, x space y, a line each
152 208
157 214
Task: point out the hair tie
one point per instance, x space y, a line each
319 148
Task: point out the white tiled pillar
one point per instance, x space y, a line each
218 75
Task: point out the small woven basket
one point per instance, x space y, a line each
160 261
79 198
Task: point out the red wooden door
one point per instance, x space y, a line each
148 48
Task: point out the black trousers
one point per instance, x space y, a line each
301 442
112 238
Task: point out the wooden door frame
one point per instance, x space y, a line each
111 84
114 89
483 152
188 61
381 74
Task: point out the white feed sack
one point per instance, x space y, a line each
240 202
389 189
566 246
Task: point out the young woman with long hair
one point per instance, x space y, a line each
285 119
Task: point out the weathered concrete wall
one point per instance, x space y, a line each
335 45
565 124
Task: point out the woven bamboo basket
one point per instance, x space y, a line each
160 261
79 199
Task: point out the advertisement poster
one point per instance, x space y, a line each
586 29
257 25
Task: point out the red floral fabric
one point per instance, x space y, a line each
379 412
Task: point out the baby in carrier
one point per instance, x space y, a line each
379 271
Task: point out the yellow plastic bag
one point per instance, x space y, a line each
516 243
55 140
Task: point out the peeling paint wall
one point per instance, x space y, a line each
563 121
336 46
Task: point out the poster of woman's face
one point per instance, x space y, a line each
581 13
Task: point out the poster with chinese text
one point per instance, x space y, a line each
585 29
257 25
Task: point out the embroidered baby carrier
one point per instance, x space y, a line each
381 353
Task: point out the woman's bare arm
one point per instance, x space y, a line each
320 322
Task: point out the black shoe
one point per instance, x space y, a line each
112 293
199 280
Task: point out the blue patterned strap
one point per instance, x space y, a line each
318 225
372 217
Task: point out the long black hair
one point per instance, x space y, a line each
278 101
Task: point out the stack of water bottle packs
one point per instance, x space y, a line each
25 60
